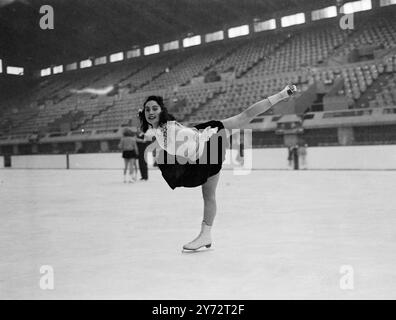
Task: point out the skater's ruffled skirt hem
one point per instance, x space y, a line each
192 175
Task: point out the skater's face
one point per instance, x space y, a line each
152 113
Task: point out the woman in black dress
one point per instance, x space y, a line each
191 157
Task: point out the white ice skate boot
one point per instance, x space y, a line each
291 89
287 92
204 239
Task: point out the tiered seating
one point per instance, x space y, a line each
262 64
308 48
249 53
379 31
119 73
192 98
390 64
155 68
238 95
122 112
195 64
387 95
358 79
125 110
56 99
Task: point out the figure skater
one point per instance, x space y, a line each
130 153
197 171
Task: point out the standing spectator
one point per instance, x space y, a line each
290 156
295 156
142 145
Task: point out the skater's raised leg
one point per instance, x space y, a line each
240 120
209 195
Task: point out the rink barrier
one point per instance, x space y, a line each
2 162
52 161
318 158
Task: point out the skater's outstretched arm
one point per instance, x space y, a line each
242 119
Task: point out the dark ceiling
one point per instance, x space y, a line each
85 28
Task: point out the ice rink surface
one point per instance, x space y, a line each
277 235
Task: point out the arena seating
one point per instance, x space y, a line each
197 61
304 49
261 65
249 53
379 32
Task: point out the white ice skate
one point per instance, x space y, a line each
204 239
290 90
286 93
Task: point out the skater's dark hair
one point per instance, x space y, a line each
164 115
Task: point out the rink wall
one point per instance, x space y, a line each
1 162
39 162
318 158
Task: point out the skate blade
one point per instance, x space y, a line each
185 250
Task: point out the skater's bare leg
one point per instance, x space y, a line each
209 197
204 238
125 169
134 169
130 166
240 120
125 166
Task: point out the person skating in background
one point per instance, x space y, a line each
130 153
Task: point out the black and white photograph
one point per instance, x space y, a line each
197 150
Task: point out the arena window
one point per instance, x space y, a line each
71 66
45 72
85 64
57 69
192 41
324 13
214 36
384 3
238 31
173 45
155 48
119 56
18 71
264 25
293 19
133 53
100 60
356 6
